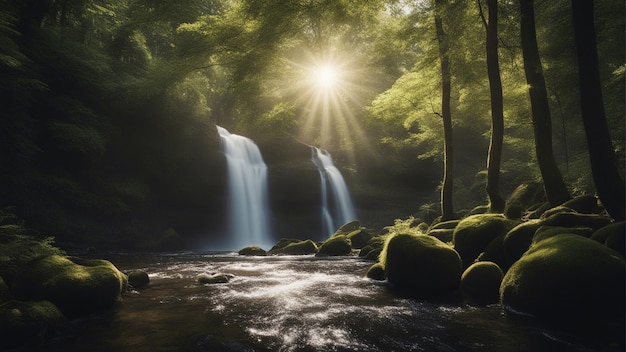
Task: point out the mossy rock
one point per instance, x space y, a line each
527 194
556 210
494 253
481 281
300 248
27 324
138 279
377 241
474 233
577 220
374 254
481 209
366 249
421 265
518 240
513 211
334 246
446 225
347 228
252 251
567 277
612 236
359 238
584 204
444 235
77 286
282 243
537 210
376 272
544 232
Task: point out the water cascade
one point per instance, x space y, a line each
331 177
247 192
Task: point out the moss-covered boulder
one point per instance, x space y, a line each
376 272
450 224
584 204
612 236
494 253
444 235
526 194
138 279
537 210
77 286
573 219
282 243
359 238
365 250
252 251
300 248
544 232
556 210
567 277
474 233
347 228
334 246
518 239
25 325
481 281
421 265
374 254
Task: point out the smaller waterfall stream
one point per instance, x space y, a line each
247 191
330 175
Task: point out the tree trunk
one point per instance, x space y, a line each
608 182
496 202
555 188
447 210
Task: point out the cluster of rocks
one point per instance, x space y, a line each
561 263
38 298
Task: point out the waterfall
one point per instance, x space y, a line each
330 175
247 191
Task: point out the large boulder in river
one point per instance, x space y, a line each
77 286
473 234
421 265
334 246
252 251
567 277
300 248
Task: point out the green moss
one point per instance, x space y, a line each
365 250
347 228
28 323
359 238
612 236
526 194
138 279
567 277
518 239
444 235
300 248
480 282
376 272
77 286
253 251
572 219
282 243
474 233
374 254
544 232
421 265
334 246
494 253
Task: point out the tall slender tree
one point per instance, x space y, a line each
555 187
447 209
608 182
496 202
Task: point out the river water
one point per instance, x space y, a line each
301 303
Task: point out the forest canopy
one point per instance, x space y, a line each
109 106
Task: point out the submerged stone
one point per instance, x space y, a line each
421 265
567 277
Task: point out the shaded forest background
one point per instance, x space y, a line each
107 130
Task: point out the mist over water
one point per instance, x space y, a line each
330 176
248 202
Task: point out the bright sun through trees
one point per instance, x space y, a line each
326 76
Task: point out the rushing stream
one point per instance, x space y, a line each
298 304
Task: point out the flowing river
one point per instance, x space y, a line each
301 303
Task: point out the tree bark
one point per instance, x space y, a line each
606 177
556 190
447 209
496 202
